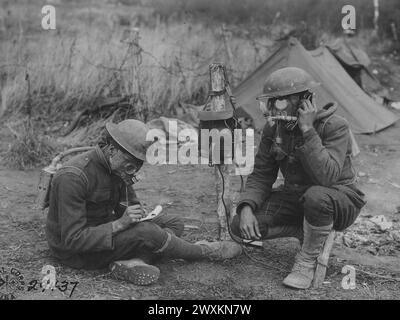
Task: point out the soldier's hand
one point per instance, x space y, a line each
249 224
307 115
136 209
131 215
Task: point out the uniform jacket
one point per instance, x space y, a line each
84 200
320 156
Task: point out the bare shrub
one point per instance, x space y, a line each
29 149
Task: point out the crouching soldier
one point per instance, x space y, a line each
87 227
312 148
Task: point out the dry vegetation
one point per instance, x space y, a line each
84 61
47 78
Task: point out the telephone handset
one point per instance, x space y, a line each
307 96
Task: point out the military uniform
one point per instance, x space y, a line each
84 201
88 228
319 177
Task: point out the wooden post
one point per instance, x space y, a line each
131 37
135 61
28 122
394 31
226 35
376 18
217 77
322 261
223 233
217 103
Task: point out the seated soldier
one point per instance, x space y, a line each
87 227
312 148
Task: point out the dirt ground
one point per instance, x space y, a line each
189 191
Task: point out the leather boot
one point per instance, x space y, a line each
303 269
136 271
285 232
177 248
220 250
139 272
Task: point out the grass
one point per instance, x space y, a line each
84 60
29 149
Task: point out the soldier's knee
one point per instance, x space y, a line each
317 206
175 224
235 225
148 234
143 229
144 235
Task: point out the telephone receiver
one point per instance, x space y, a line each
307 96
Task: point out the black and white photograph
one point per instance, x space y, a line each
199 157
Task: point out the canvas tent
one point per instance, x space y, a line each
363 113
356 62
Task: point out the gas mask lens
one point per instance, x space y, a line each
267 106
263 106
131 169
281 104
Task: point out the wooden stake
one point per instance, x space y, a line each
323 259
131 37
223 233
226 35
376 18
394 31
217 78
217 103
135 60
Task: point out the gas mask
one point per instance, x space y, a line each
275 111
278 112
127 167
130 174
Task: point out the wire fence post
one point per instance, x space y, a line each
136 61
28 106
227 35
394 31
223 184
134 55
376 18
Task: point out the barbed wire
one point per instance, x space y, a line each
176 68
99 65
204 62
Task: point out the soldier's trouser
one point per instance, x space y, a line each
142 241
320 206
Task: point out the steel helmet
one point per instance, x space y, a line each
130 135
287 81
